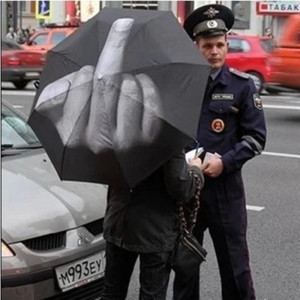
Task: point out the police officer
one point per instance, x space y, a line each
232 131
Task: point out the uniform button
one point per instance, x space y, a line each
131 190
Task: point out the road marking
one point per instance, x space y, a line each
281 154
18 106
18 93
256 208
260 208
281 106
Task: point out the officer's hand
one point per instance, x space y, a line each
195 162
213 167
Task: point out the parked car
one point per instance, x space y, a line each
52 230
250 54
18 65
285 58
47 37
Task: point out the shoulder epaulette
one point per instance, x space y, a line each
239 73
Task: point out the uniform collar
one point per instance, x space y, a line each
220 77
224 77
215 74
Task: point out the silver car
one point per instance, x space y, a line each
52 230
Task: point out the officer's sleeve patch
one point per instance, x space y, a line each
257 101
239 73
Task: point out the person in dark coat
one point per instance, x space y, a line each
232 131
142 223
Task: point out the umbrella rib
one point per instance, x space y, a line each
146 24
140 70
59 54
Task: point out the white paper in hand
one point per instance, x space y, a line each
209 155
193 153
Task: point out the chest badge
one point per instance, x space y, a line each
217 125
222 96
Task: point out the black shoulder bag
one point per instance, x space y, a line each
189 253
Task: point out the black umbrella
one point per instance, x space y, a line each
119 97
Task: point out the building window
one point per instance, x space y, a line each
23 6
149 5
241 10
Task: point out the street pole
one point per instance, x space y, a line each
4 20
15 15
20 13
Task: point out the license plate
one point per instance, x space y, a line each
32 74
81 272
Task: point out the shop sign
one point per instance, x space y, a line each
89 9
278 7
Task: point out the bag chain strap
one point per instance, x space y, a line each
196 205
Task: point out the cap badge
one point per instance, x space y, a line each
211 12
212 24
217 125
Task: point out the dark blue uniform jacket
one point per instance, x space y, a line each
232 98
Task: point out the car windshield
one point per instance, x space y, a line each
16 133
57 37
40 39
267 44
238 45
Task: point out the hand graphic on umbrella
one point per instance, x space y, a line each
122 92
103 124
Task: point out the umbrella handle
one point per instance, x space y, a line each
111 58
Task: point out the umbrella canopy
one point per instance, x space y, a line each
119 97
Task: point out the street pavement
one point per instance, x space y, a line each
273 202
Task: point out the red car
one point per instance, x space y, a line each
48 37
285 58
18 65
250 54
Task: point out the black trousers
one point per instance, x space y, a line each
155 271
223 213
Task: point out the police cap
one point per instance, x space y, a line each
209 20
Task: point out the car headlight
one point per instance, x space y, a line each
6 251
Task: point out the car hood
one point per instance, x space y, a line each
36 202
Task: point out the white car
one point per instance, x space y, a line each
52 230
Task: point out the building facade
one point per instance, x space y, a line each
251 17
